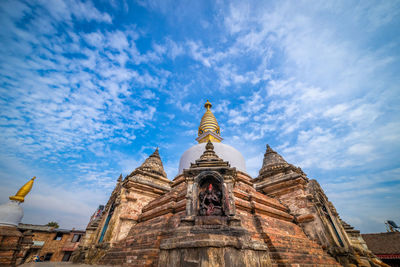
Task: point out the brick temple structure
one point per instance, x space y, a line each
214 214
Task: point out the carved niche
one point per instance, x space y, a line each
210 197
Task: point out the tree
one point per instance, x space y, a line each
53 224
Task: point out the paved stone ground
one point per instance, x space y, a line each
59 264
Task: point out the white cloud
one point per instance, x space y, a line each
67 106
56 203
330 99
64 11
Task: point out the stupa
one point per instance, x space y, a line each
14 244
215 214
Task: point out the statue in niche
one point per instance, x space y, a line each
210 201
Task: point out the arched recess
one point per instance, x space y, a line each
209 194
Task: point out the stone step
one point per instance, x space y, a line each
290 241
294 243
303 265
291 257
298 249
289 238
144 244
300 263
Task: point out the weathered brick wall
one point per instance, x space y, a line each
141 247
51 245
10 241
144 184
263 218
268 220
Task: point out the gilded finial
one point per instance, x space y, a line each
23 191
209 128
207 105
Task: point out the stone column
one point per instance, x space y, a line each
228 184
190 209
190 202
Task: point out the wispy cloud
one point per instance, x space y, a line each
328 104
60 95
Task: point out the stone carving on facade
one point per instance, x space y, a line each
210 200
210 182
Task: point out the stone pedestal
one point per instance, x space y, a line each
210 241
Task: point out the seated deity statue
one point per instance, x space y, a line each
210 202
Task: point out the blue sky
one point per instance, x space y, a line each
89 89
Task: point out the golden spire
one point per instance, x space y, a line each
209 128
207 105
23 191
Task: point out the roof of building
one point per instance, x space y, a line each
45 228
383 243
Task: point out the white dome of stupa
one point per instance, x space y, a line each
11 213
223 151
